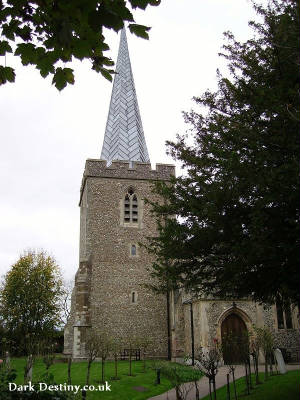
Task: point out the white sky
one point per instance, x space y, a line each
47 135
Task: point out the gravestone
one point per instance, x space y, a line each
7 360
28 369
280 361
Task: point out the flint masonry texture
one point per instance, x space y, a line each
109 275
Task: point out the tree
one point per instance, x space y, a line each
208 362
65 300
48 356
237 205
116 348
92 349
49 34
29 300
178 375
104 348
255 344
230 349
266 340
144 343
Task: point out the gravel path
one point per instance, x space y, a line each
203 383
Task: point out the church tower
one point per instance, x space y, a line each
109 293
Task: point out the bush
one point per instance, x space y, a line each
7 375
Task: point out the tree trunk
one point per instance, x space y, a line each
178 394
256 370
266 366
88 372
144 361
102 369
69 370
271 364
250 378
197 391
228 387
246 378
209 383
214 387
130 362
116 366
234 387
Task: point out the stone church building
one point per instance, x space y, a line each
109 293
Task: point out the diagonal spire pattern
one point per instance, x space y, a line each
124 136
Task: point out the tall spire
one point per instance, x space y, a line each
124 136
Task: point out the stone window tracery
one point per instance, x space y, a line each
131 207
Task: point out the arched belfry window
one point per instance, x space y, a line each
131 207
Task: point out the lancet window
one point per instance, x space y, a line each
133 250
131 207
284 315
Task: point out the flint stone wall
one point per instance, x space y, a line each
114 274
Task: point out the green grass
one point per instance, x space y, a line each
277 387
122 389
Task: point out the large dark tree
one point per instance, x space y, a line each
237 204
50 33
30 301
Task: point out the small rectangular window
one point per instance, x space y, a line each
133 250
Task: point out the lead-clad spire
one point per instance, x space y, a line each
124 136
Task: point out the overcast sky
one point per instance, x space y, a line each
47 135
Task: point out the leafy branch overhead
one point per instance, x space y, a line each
50 33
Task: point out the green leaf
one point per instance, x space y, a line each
27 51
105 17
68 29
4 48
139 3
24 33
107 73
81 49
144 3
63 76
119 8
45 67
107 61
139 30
8 31
7 74
69 75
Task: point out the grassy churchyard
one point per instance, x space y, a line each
276 387
141 385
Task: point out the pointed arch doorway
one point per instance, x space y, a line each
233 326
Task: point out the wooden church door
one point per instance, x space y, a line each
233 327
